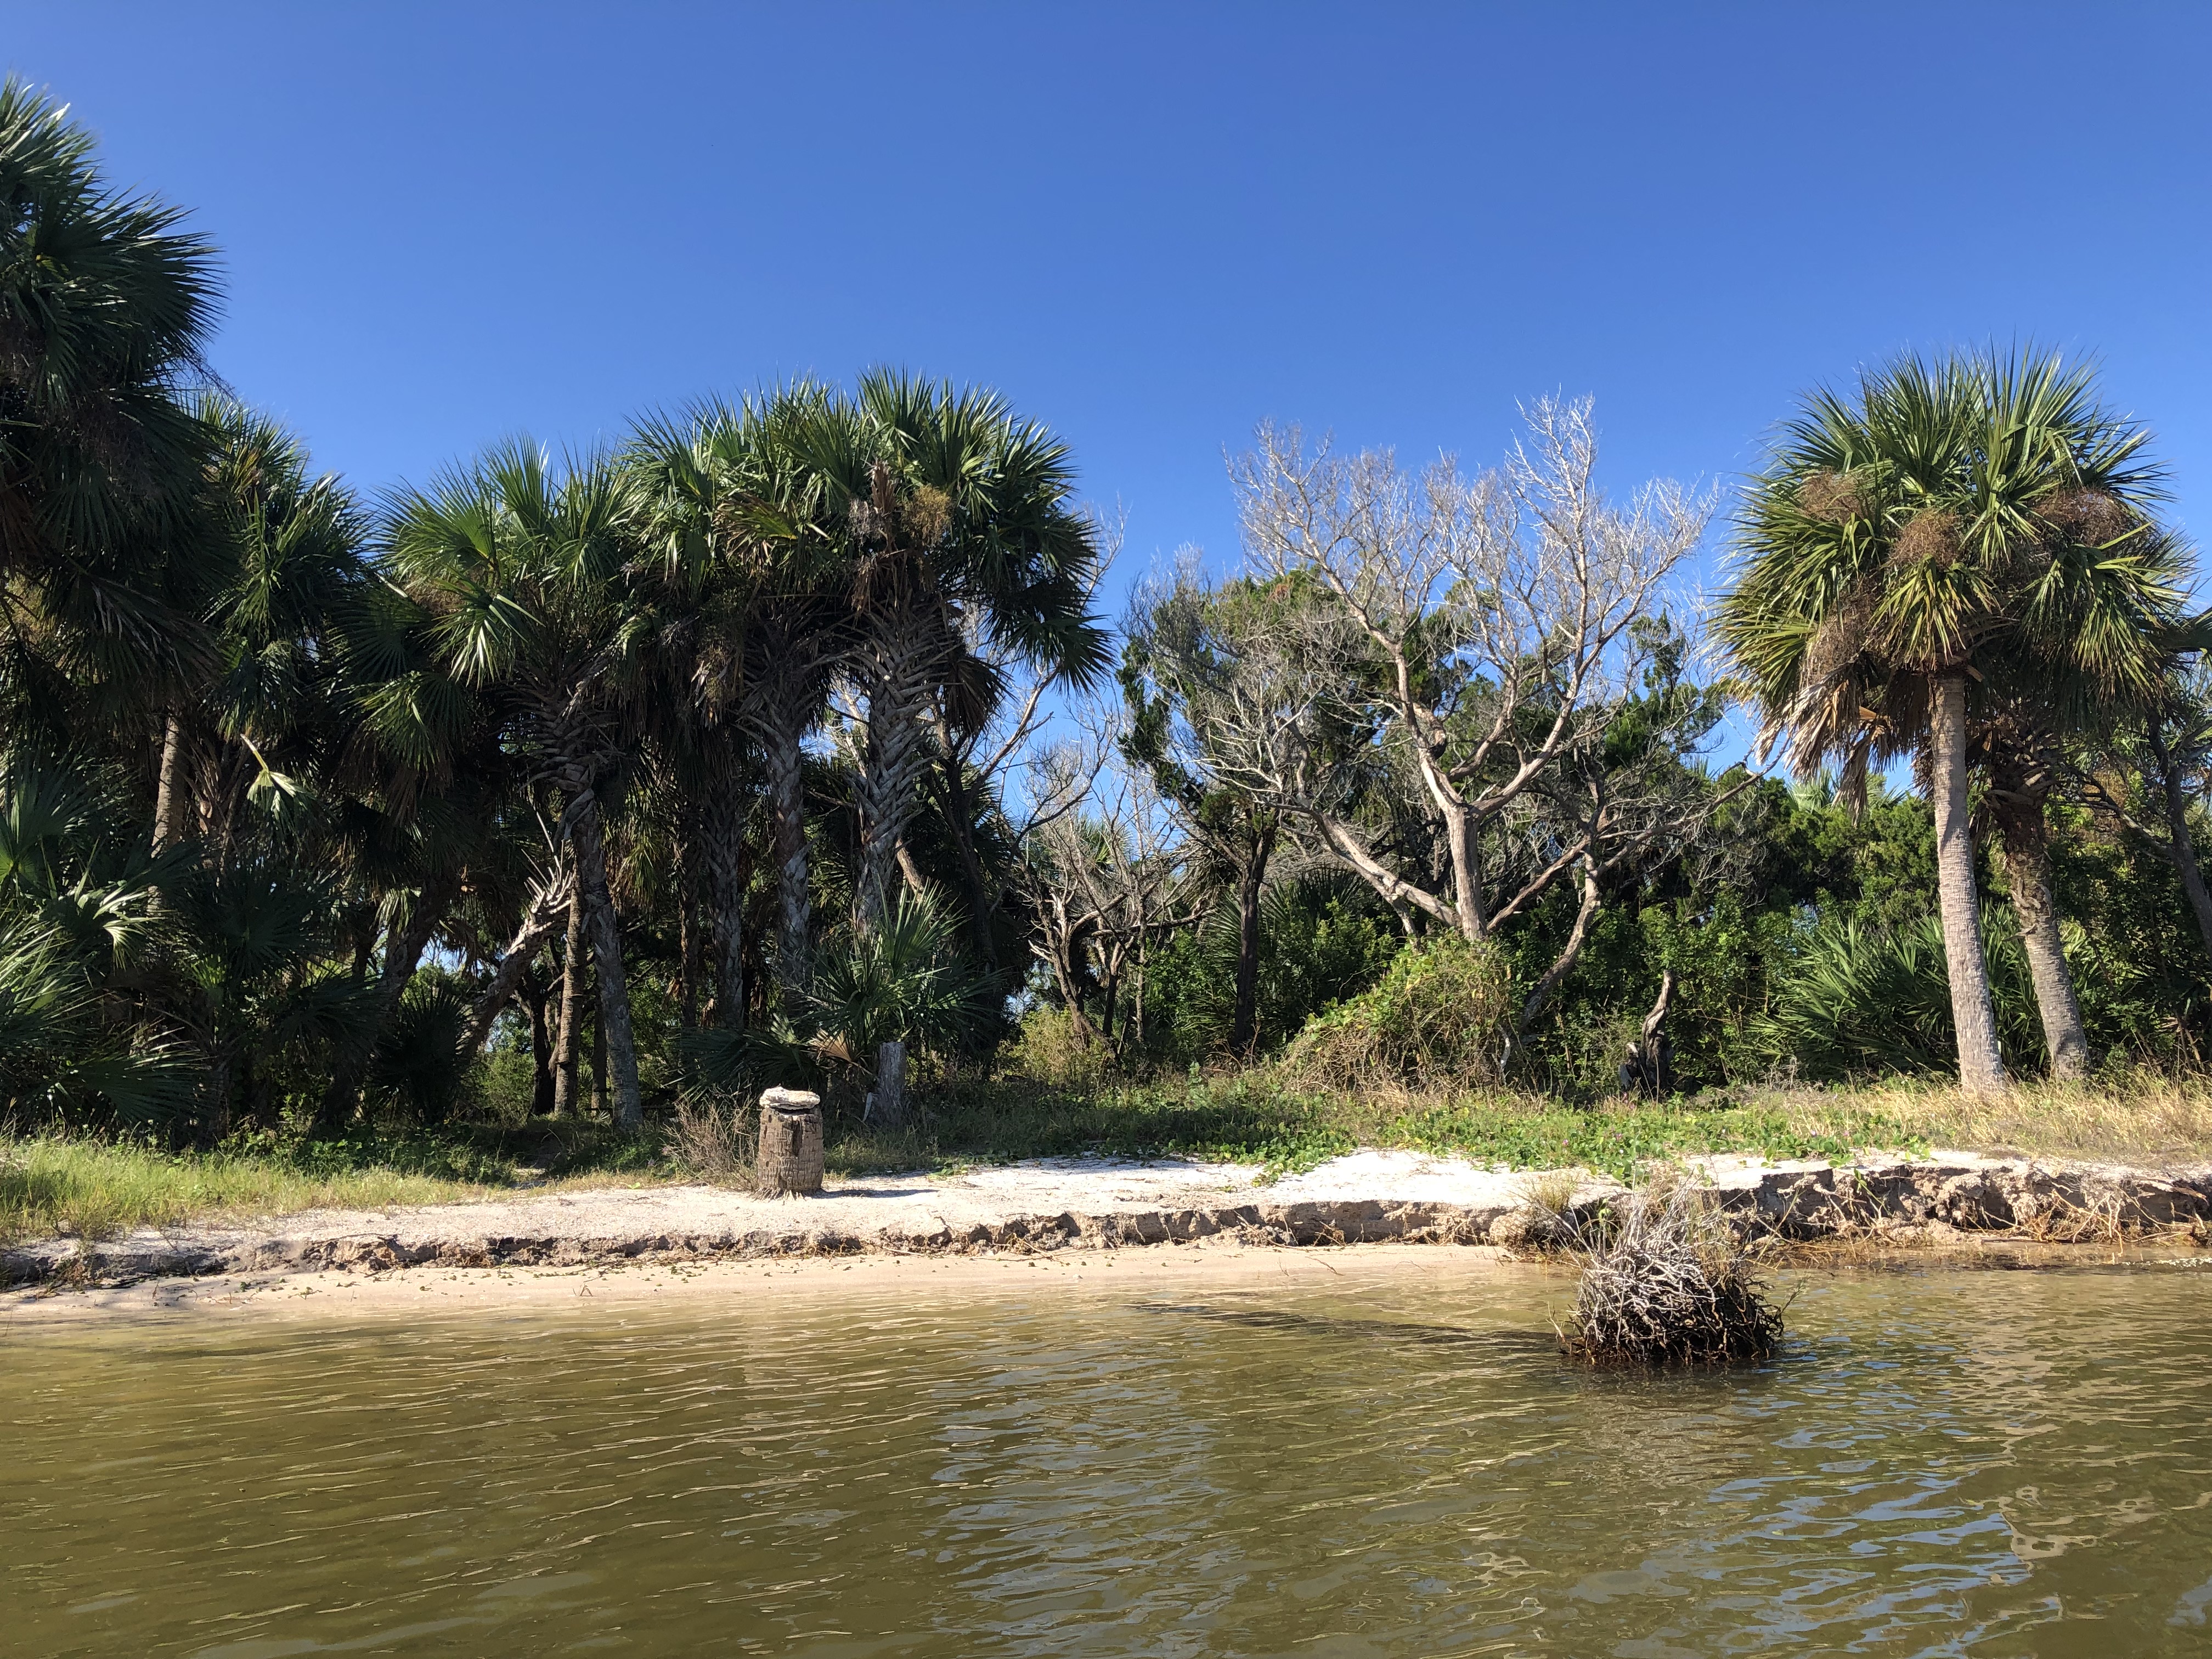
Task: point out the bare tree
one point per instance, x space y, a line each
1104 875
1483 628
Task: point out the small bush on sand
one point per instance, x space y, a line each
709 1140
1667 1281
1048 1050
1436 1020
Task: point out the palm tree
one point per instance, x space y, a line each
956 520
518 572
729 503
105 307
1956 520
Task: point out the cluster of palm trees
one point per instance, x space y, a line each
1961 561
272 750
293 745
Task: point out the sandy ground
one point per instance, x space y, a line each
1067 1216
597 1290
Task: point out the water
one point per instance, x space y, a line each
1941 1463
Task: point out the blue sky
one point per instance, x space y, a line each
1152 225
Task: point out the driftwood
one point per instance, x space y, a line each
1667 1281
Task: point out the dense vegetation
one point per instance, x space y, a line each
574 790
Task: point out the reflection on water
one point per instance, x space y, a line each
1944 1464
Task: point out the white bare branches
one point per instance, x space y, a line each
1496 615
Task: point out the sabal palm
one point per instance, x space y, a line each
958 517
104 306
1952 519
517 571
284 552
732 512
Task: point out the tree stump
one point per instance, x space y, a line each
887 1105
790 1160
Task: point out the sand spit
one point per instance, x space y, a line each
1368 1197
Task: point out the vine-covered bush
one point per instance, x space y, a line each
1435 1019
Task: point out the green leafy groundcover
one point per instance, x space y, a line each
1254 1121
1615 1142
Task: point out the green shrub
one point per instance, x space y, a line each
1436 1019
1045 1047
1858 999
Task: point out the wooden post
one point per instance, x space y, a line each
887 1105
790 1160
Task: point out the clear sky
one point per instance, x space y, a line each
1152 225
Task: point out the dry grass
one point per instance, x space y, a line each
95 1189
1549 1192
89 1187
2140 1119
710 1142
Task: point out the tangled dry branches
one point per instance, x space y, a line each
1667 1281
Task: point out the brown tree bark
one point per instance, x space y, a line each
169 791
1251 886
566 1100
2028 866
723 832
783 757
513 971
536 996
1973 1013
690 956
601 926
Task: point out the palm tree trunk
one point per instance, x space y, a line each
787 780
607 955
572 1009
690 956
725 837
541 1046
2027 865
892 761
1973 1014
599 1059
514 972
169 791
952 799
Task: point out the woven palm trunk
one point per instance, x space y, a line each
906 648
790 1157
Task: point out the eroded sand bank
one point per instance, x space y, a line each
1074 1209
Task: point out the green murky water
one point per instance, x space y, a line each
1942 1463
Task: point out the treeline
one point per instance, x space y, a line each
788 730
305 792
1467 708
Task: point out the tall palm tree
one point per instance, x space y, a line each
518 569
728 500
1978 515
959 520
105 307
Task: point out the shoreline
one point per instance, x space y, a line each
1103 1209
1220 1266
